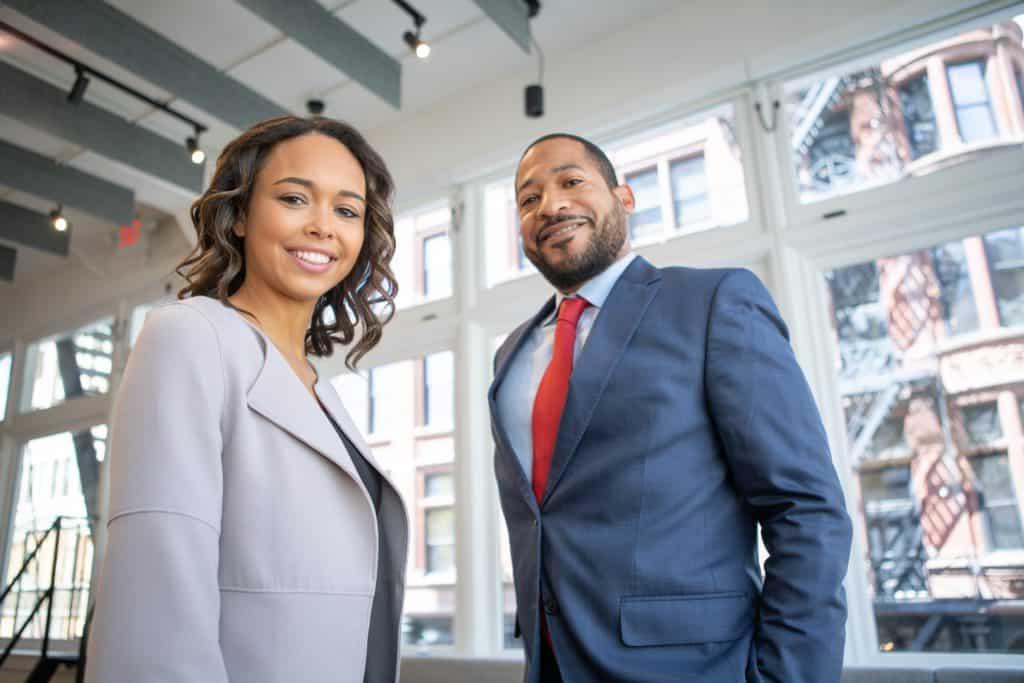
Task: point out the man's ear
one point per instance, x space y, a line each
625 194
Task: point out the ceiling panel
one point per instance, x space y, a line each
220 33
289 74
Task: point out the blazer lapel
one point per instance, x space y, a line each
278 395
615 325
332 403
513 346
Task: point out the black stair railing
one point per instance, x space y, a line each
48 663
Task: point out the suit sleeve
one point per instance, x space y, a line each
158 603
779 458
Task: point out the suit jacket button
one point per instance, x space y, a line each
550 606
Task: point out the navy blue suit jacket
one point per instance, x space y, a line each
687 424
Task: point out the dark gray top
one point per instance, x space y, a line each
381 657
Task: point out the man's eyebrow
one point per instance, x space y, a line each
556 169
309 183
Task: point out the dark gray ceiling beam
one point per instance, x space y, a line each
40 176
31 229
8 257
44 107
106 31
511 17
325 35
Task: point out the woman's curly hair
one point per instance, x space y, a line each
216 267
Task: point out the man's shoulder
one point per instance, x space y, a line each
700 279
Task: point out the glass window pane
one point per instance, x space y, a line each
690 192
437 266
862 127
1005 250
58 478
6 360
981 423
645 221
998 499
976 123
919 117
919 415
422 262
419 463
438 389
74 364
956 296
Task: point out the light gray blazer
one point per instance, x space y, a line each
242 545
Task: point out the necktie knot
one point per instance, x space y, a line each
571 309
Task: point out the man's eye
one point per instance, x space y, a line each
526 201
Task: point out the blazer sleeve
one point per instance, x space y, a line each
157 609
778 455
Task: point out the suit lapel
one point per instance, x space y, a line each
279 395
513 346
615 325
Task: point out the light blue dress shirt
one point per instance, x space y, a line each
518 389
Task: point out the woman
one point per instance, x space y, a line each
252 537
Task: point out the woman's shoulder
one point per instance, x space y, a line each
196 315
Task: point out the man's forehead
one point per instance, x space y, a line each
552 156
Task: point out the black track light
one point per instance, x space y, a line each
197 155
78 89
58 220
315 107
412 38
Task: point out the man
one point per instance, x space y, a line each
646 420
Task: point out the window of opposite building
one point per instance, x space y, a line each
691 197
997 499
933 459
969 89
422 263
437 265
1005 250
919 116
877 121
645 221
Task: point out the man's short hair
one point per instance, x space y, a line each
604 164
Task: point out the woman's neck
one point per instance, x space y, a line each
284 320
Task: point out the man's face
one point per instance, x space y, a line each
572 224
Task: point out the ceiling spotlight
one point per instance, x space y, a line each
78 89
412 38
315 107
420 47
57 219
197 155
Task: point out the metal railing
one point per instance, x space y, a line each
46 593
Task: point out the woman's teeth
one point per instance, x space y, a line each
313 257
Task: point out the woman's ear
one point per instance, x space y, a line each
239 227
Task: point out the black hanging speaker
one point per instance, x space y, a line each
535 101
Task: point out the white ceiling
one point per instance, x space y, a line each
468 49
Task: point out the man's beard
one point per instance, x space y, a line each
602 251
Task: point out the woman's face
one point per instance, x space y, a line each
305 223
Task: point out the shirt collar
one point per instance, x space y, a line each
596 289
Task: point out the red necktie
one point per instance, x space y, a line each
552 392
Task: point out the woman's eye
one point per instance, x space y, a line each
346 212
292 199
573 181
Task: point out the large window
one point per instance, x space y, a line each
68 366
6 360
437 266
691 197
875 124
971 101
933 455
58 478
406 409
